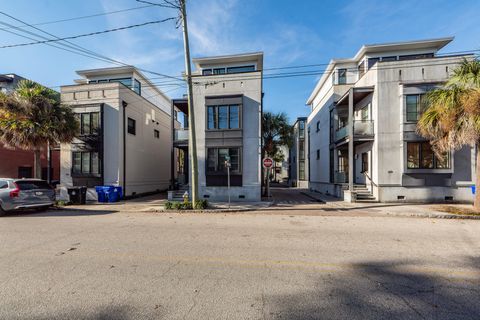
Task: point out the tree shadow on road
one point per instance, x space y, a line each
375 290
58 212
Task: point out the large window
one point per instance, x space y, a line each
85 163
224 70
216 158
241 69
301 149
414 104
301 129
132 126
89 122
301 170
223 117
421 156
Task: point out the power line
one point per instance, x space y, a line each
169 4
90 53
85 17
87 34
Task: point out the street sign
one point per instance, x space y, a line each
267 162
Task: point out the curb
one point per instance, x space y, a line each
435 216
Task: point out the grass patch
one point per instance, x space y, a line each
459 210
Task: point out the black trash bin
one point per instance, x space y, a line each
78 195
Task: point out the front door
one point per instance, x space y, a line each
361 168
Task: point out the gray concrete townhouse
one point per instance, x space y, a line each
298 157
362 135
227 94
125 128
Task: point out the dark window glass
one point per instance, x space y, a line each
131 126
212 117
365 162
86 162
102 81
421 156
318 126
25 172
301 129
219 71
216 158
301 170
234 117
95 167
85 123
372 61
364 112
426 156
206 72
95 122
77 162
318 154
416 56
156 134
413 107
3 184
413 155
125 81
137 87
32 184
391 58
361 69
301 149
223 117
240 69
342 76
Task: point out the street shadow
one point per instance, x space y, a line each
58 212
390 290
103 313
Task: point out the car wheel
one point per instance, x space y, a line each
2 212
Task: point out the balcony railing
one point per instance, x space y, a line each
360 128
181 135
363 127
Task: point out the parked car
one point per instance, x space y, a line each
18 194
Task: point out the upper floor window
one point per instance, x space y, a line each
224 70
223 117
342 76
301 129
318 126
133 84
132 126
421 156
413 106
156 134
137 87
89 122
364 113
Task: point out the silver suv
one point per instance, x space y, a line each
17 194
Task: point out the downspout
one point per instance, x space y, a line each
124 105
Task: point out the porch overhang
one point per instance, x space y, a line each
358 94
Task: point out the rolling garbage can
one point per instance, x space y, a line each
78 195
109 193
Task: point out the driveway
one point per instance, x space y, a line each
109 264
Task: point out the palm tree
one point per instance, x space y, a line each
276 132
32 117
451 118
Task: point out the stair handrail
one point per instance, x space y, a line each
365 173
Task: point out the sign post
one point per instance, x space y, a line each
228 165
267 164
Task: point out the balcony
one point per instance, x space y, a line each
361 128
181 135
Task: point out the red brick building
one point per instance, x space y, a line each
18 163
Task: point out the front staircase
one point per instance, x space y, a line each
363 194
178 194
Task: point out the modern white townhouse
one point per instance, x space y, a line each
227 94
362 127
125 129
299 155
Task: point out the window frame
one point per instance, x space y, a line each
87 173
92 125
216 117
156 134
217 171
421 157
134 131
419 100
342 76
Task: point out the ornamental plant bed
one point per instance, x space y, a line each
186 205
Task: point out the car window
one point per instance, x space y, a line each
3 184
32 184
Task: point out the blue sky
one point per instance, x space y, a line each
290 33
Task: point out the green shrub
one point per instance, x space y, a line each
169 205
201 204
178 205
187 205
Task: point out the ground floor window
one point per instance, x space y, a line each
216 158
85 163
301 170
421 156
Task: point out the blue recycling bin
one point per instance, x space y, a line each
473 189
109 193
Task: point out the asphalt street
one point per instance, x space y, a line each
128 265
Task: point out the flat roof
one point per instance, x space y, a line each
243 57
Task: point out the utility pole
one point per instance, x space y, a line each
192 146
